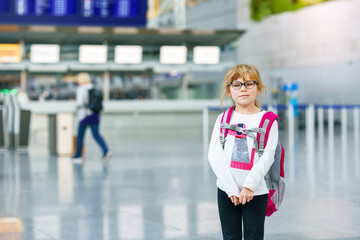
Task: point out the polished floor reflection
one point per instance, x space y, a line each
159 187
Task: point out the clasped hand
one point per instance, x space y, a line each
246 195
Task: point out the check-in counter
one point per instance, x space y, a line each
61 134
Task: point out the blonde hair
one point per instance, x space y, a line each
242 71
83 78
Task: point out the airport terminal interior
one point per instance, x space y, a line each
158 66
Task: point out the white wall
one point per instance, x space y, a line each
212 14
318 47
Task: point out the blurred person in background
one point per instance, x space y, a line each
87 117
43 96
23 98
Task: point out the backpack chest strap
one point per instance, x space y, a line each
233 127
251 132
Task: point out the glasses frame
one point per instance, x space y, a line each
243 84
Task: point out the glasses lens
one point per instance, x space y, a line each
236 85
249 84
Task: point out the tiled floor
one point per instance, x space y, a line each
159 187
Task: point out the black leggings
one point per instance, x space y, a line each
231 216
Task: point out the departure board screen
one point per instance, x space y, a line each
45 7
4 6
74 12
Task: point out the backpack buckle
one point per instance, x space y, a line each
262 130
223 125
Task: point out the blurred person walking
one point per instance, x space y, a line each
242 191
87 117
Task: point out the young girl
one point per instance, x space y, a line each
242 191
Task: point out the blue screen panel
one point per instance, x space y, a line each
99 8
62 8
126 8
40 7
102 8
24 7
4 6
45 7
74 12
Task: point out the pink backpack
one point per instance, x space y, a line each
275 177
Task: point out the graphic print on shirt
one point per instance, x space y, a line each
240 158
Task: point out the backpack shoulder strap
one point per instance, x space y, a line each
223 132
266 122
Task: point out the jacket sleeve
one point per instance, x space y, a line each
79 97
259 170
218 163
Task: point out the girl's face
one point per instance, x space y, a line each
243 95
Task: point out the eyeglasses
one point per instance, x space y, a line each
248 84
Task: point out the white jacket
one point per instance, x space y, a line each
82 99
237 165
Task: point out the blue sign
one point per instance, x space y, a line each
4 6
126 8
62 8
74 12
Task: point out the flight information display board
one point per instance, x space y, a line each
4 6
74 12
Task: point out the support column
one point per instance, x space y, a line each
106 86
356 141
154 91
344 155
180 14
184 86
23 74
23 81
291 138
152 94
205 140
331 148
321 137
310 132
